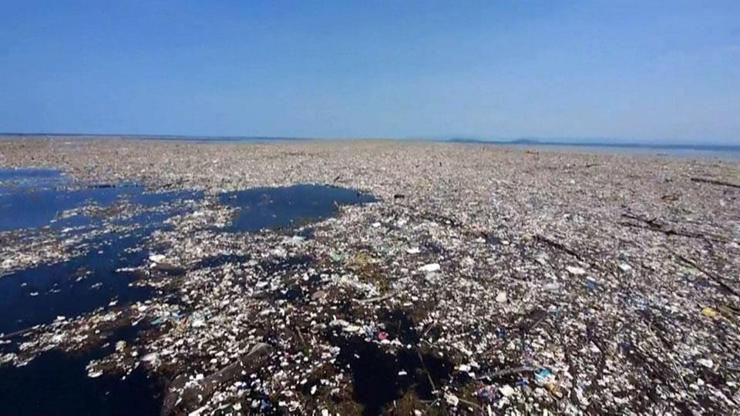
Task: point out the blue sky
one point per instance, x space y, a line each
634 70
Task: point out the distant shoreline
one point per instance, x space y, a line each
646 146
515 142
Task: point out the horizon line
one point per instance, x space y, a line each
520 140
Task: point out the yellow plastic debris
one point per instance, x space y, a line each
709 312
554 389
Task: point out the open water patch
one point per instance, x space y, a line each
57 384
107 226
380 377
288 207
34 198
22 176
112 223
39 294
115 220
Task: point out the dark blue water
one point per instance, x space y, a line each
32 198
56 383
23 175
32 208
39 294
288 207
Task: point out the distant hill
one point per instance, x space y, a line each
536 142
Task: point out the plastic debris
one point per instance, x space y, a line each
709 312
506 390
487 394
575 270
543 375
336 257
554 389
430 268
705 362
570 260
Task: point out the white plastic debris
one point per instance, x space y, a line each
705 362
157 258
506 390
430 268
575 270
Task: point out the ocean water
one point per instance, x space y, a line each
33 198
288 207
31 201
56 384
